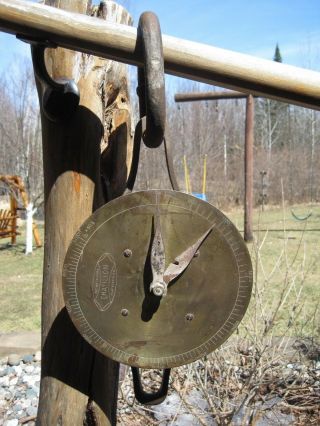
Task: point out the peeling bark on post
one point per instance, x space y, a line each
78 385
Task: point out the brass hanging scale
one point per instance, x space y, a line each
157 278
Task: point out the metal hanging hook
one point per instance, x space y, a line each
150 128
152 101
59 98
151 84
148 398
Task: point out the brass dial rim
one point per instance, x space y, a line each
127 203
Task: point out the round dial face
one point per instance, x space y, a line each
123 249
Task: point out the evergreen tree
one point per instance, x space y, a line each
272 119
277 55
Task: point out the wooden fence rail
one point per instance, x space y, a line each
183 58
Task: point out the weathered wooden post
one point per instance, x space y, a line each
249 140
248 169
78 385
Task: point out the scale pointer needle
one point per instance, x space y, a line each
158 259
182 261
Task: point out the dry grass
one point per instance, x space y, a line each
20 286
266 373
269 371
285 256
285 262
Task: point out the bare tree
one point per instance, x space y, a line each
20 130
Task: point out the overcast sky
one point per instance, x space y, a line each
248 26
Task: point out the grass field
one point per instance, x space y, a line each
20 285
285 255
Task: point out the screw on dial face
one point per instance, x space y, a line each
108 294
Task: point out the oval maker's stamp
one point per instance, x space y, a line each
104 282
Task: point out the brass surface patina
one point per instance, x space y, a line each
111 264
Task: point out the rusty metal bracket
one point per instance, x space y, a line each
147 398
59 98
151 81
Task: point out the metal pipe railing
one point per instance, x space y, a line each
182 58
209 96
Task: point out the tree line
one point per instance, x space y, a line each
286 147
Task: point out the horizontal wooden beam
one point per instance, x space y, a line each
182 58
209 96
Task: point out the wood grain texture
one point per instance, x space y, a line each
78 384
183 58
